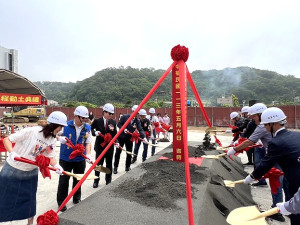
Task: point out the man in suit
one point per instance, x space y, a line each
284 149
107 127
125 138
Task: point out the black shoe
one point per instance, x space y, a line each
108 180
133 160
115 170
259 183
143 160
95 185
277 217
64 209
127 169
76 201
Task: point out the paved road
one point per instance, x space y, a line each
46 194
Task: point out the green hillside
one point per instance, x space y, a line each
122 85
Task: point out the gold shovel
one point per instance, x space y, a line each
230 183
213 129
249 215
214 156
102 169
80 176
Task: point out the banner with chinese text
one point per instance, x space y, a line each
20 99
178 144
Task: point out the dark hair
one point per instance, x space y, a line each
158 114
48 129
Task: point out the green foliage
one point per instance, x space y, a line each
86 104
128 86
235 100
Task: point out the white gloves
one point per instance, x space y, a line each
12 156
249 180
62 139
231 151
145 140
125 131
282 209
60 133
97 133
88 160
59 169
228 131
152 136
117 145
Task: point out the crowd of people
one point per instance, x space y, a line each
19 180
280 149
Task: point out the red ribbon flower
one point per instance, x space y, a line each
43 163
107 138
48 218
180 53
135 136
78 149
273 176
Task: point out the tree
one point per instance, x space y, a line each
235 100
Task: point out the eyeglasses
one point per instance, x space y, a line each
109 113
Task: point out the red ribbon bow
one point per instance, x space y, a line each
107 138
134 136
43 163
147 134
78 149
273 176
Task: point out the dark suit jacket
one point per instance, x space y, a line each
285 150
98 125
130 127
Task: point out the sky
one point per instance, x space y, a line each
70 40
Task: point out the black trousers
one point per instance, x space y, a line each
129 145
63 184
108 157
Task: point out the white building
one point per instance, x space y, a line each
9 59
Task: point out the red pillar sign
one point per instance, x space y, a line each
178 146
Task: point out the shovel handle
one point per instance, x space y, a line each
267 213
221 155
238 181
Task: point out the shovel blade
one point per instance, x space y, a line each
102 169
246 216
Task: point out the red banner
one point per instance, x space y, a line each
22 99
177 116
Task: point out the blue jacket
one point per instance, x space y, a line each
70 132
284 149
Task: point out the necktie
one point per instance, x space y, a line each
106 125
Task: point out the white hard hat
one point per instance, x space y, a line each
58 117
143 112
245 109
151 110
109 108
257 108
134 108
273 115
81 111
233 115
